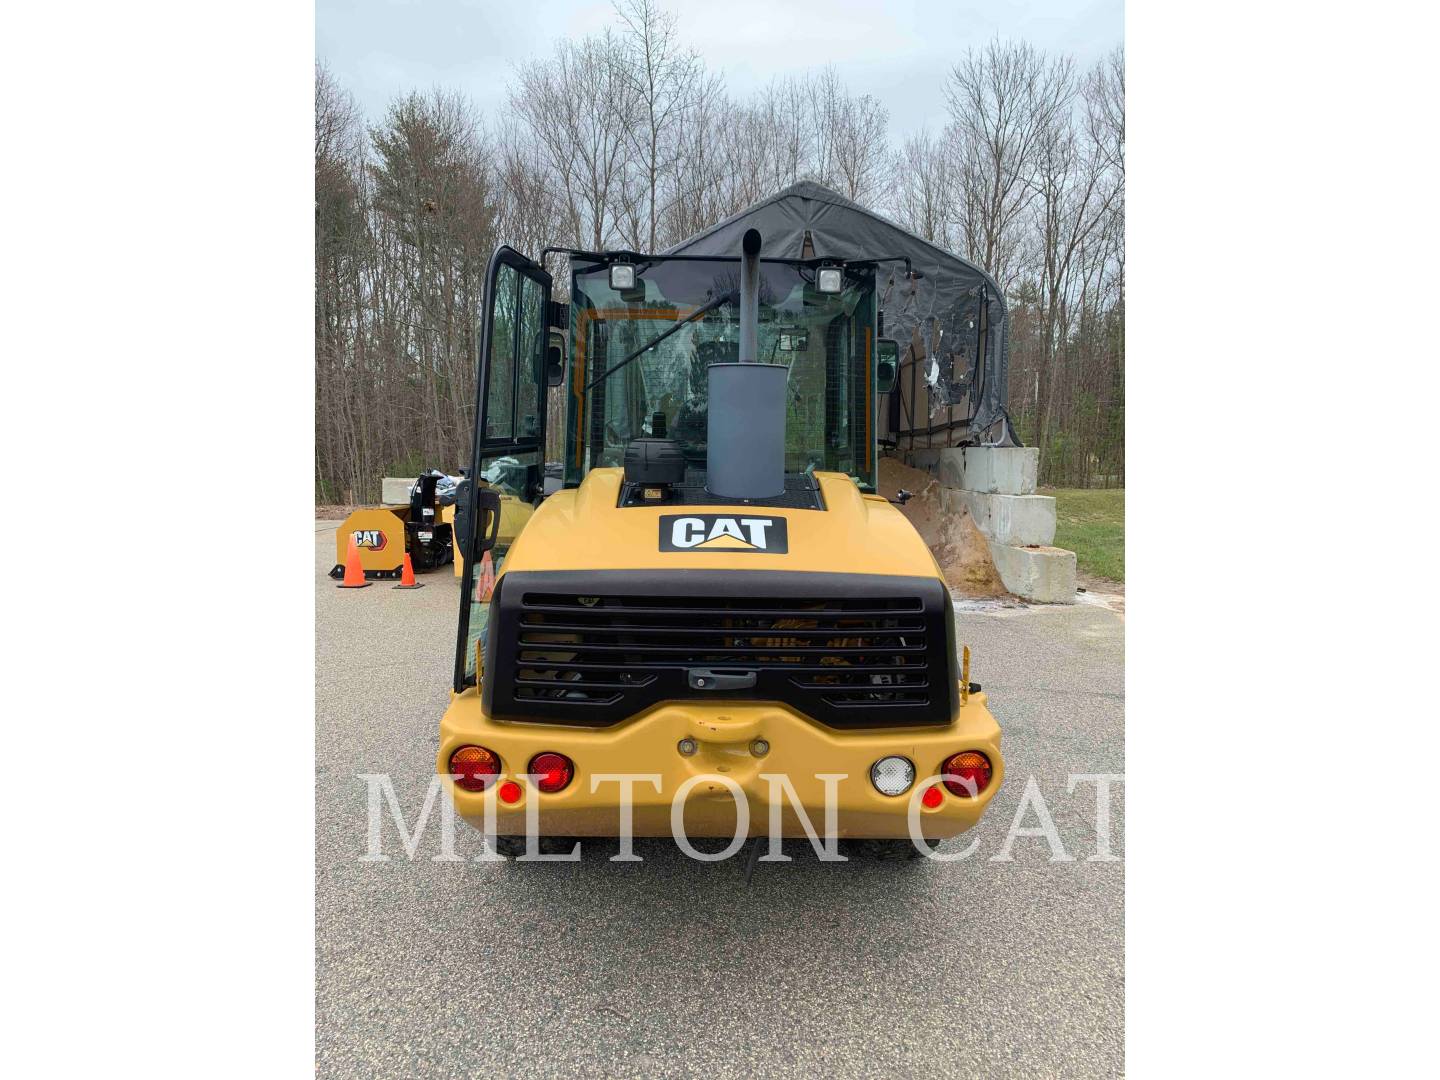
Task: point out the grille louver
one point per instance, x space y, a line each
596 654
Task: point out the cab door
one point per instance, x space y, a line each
509 437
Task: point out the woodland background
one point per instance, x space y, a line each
627 139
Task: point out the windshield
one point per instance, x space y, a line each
824 339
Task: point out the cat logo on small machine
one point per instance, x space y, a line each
719 532
374 539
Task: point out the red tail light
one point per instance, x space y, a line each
474 767
554 770
971 765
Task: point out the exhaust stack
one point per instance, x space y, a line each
749 296
745 452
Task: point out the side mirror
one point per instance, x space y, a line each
554 366
887 364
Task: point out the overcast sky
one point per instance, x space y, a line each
897 51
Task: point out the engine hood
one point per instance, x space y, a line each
583 529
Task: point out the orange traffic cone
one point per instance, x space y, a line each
354 576
486 585
407 576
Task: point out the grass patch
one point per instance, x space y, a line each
1091 523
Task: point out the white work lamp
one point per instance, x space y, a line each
622 276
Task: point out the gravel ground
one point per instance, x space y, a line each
670 967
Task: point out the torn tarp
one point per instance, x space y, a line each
951 322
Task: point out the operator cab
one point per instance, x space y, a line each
646 331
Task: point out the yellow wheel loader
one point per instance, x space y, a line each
716 626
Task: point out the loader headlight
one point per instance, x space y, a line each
830 279
892 775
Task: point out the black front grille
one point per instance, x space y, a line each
847 650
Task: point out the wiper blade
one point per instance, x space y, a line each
704 309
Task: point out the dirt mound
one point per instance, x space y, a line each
953 538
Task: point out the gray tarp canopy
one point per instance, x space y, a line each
951 323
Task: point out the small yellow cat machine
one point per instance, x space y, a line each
383 534
717 596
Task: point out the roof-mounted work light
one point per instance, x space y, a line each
622 276
830 279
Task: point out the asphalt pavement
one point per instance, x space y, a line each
670 967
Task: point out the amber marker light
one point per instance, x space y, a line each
970 765
474 767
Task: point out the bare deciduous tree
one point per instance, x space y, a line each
851 150
579 106
925 190
665 81
1002 99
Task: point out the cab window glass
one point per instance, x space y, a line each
531 359
507 474
500 399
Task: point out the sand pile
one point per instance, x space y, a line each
954 539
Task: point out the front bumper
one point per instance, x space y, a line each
647 745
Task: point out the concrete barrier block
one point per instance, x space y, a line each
923 459
996 470
1043 574
395 490
1019 520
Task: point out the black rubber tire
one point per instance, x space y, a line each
889 850
512 847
